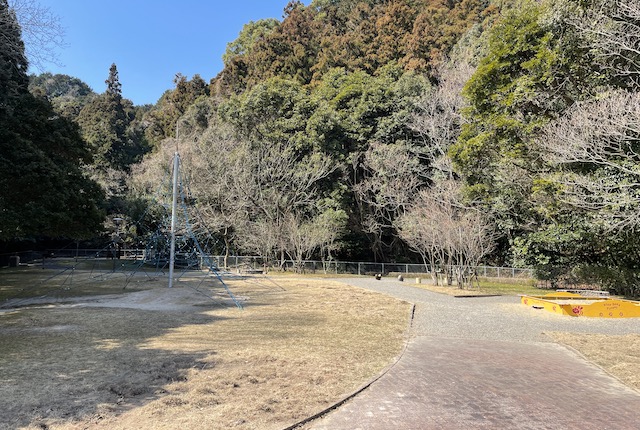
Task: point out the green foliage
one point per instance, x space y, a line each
502 93
623 281
44 191
576 252
68 95
551 251
273 111
114 87
104 124
289 51
356 108
251 32
354 35
56 86
13 62
539 62
161 120
534 69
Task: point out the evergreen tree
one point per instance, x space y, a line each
162 119
114 87
104 123
44 192
13 62
67 94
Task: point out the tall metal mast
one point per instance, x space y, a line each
174 213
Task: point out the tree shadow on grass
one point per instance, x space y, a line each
63 365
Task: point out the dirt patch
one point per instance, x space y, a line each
618 355
183 358
159 299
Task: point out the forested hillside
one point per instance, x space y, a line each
443 131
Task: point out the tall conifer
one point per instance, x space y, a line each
114 87
13 62
44 191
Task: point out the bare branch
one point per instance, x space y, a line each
596 145
438 119
612 31
446 234
42 32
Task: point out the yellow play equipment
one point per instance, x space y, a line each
576 305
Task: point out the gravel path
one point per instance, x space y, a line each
490 318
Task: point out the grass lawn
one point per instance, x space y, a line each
296 348
152 357
488 286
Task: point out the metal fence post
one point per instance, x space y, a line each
359 272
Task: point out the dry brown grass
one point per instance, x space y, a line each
618 355
296 348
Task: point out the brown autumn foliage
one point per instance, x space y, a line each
355 35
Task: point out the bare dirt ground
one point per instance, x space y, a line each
181 358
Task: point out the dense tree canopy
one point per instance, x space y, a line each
354 35
397 130
13 73
549 145
44 191
68 95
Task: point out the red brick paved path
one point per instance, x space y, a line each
463 384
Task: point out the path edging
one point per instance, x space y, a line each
362 387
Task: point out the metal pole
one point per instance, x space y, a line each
174 210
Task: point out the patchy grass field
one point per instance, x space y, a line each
166 359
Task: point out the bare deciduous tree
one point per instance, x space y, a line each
394 174
596 145
283 183
438 118
217 174
264 198
41 31
612 29
446 234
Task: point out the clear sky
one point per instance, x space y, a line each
150 40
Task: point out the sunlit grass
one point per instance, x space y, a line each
484 286
298 346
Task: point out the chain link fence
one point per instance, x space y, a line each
254 264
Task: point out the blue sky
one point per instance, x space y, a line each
150 40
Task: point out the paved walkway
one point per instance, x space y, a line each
485 363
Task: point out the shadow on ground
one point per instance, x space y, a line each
60 365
